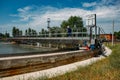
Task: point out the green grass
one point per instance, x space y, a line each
106 69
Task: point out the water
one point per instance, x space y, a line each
6 48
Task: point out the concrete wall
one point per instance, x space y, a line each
22 64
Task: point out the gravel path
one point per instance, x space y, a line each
57 70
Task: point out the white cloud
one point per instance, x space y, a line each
107 2
100 3
27 8
89 4
36 17
23 13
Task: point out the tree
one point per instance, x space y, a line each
29 31
14 31
17 32
56 31
7 34
64 24
2 35
20 33
43 33
26 32
117 34
34 33
73 21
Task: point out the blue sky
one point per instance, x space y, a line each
34 13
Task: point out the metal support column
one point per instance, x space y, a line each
113 34
99 32
90 34
95 28
48 21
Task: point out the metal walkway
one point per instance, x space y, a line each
49 39
74 38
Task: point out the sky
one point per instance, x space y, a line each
34 13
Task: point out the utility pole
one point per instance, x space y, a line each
95 27
48 21
113 33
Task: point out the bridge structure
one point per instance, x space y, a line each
75 39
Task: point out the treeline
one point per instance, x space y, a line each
6 35
16 32
117 34
28 32
74 22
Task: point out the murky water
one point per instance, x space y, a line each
6 48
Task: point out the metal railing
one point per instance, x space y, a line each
73 34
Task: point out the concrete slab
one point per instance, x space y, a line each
39 55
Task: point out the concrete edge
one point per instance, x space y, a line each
38 55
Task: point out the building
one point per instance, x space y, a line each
107 37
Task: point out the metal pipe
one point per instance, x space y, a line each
113 34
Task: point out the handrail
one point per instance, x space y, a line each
73 34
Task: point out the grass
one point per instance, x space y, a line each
106 69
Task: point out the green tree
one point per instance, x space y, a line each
56 31
43 33
64 24
29 31
20 33
52 31
6 35
1 35
34 33
14 31
117 34
17 32
26 32
73 21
